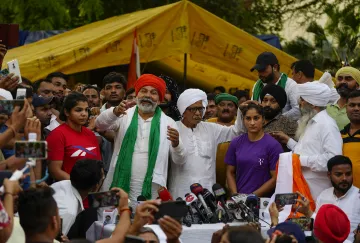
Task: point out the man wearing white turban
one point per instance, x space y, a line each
200 140
318 136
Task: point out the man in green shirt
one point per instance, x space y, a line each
347 80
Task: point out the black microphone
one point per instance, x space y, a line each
209 199
191 200
220 195
197 189
185 220
253 202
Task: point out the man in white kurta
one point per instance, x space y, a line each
200 140
318 136
117 119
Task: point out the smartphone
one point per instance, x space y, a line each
20 94
286 199
306 224
9 35
34 150
133 239
5 174
14 68
7 106
174 209
4 73
103 199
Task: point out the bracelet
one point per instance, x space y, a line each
13 130
124 210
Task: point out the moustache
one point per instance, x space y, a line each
268 109
343 86
145 99
226 111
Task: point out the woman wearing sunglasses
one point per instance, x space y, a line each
347 80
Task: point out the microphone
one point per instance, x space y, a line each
220 196
253 202
141 199
185 220
220 212
197 189
165 195
209 199
240 199
191 201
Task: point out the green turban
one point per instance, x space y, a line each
227 97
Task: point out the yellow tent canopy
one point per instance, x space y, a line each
218 52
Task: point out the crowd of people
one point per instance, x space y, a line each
150 136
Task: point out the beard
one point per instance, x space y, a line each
307 113
343 90
271 113
341 189
269 78
146 108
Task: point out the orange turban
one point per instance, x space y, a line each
153 81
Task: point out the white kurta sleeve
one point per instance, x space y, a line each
291 92
332 145
107 120
177 154
223 133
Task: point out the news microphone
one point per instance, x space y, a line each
220 212
141 199
220 196
191 201
185 220
209 199
164 194
197 189
253 202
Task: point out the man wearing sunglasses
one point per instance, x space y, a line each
347 80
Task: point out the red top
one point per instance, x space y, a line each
69 146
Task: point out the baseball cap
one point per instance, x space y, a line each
264 59
38 100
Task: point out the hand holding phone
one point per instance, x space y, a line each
14 68
103 199
30 149
286 199
306 224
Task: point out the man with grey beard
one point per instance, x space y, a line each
145 138
318 136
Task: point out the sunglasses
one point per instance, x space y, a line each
346 78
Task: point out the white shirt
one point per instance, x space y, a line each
140 161
291 108
53 123
200 161
69 203
109 121
349 203
320 142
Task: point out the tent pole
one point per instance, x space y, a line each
185 69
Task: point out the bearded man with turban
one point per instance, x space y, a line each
200 140
273 99
347 80
145 137
318 136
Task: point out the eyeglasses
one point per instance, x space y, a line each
195 109
347 78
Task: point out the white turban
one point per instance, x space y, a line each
189 97
6 94
315 93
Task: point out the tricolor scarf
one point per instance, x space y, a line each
259 85
122 173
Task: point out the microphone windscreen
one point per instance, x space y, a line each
196 188
141 198
218 190
164 194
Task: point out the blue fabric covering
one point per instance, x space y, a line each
271 40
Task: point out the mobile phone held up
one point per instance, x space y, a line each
33 150
7 106
103 199
13 67
174 209
306 224
286 199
